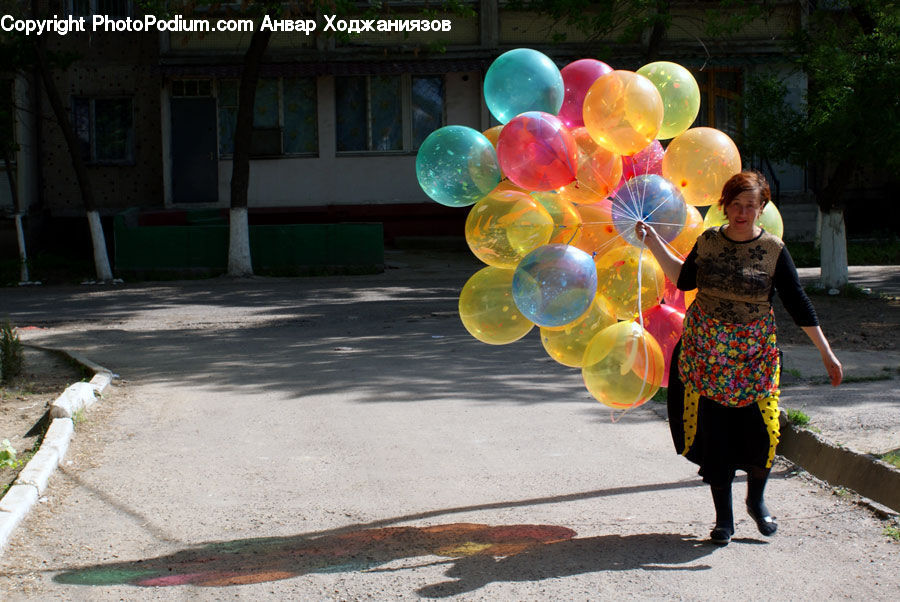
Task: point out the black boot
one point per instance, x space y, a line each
724 528
756 485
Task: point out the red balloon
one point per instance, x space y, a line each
577 79
666 324
645 162
537 152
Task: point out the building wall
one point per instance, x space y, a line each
108 65
369 178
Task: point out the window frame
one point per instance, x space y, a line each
217 89
91 158
406 116
710 92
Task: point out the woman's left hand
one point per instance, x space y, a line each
834 368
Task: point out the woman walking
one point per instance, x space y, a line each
723 396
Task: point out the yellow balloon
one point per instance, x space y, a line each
770 220
623 365
617 280
505 226
623 112
680 95
566 344
699 162
487 308
693 228
566 219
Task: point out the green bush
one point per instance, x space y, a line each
11 352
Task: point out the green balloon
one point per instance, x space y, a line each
680 94
770 220
457 166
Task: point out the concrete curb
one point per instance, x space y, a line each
32 480
840 466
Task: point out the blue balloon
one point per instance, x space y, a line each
653 200
555 284
523 80
457 166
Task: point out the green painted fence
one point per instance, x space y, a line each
201 244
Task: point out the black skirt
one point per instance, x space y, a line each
727 439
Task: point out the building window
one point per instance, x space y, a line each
188 88
387 113
105 129
284 117
720 92
114 9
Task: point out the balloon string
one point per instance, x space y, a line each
640 314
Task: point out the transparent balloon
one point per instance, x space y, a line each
505 226
522 80
456 166
677 298
487 309
699 162
493 134
555 284
623 365
598 234
652 200
598 169
666 324
566 344
693 228
623 112
770 220
619 271
537 152
680 96
566 219
645 162
578 76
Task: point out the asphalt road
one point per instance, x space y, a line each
345 438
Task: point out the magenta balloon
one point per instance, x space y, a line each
577 79
647 161
537 152
666 324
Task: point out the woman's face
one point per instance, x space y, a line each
743 212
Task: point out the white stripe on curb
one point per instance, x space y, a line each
33 479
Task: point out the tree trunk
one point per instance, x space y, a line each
833 253
20 232
101 258
239 260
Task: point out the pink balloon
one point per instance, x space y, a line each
646 161
577 79
673 296
666 324
537 152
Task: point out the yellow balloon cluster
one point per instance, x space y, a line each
505 226
623 365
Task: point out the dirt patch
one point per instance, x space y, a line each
868 323
24 403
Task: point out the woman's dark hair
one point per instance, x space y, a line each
743 182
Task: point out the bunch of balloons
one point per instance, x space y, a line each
556 190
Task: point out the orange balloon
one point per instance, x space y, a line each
623 112
623 365
693 228
699 162
598 235
598 169
493 134
579 195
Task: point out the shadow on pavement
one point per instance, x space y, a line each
479 553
